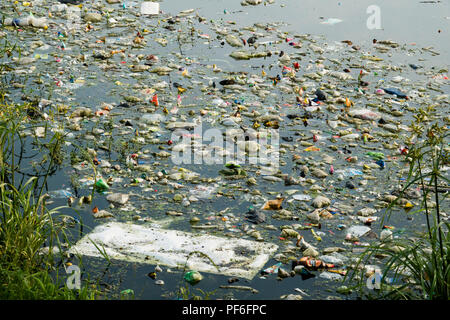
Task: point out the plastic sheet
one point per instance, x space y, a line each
138 243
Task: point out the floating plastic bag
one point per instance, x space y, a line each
301 197
358 231
364 114
60 194
330 276
350 172
273 269
331 21
203 192
334 258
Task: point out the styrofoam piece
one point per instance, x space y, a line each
358 231
145 244
149 8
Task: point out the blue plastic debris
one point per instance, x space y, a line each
396 92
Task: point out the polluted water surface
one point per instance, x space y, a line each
226 138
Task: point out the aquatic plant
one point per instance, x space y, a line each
27 226
419 268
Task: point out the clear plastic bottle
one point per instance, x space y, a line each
19 22
38 22
27 21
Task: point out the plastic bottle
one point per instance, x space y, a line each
27 21
101 186
376 155
39 22
19 22
350 172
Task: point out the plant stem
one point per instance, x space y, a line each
438 215
425 200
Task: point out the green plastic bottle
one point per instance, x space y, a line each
193 277
101 185
376 155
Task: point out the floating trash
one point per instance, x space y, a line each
136 243
332 21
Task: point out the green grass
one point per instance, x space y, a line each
26 223
18 284
420 266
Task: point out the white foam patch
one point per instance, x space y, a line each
144 244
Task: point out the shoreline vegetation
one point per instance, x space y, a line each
419 267
27 226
